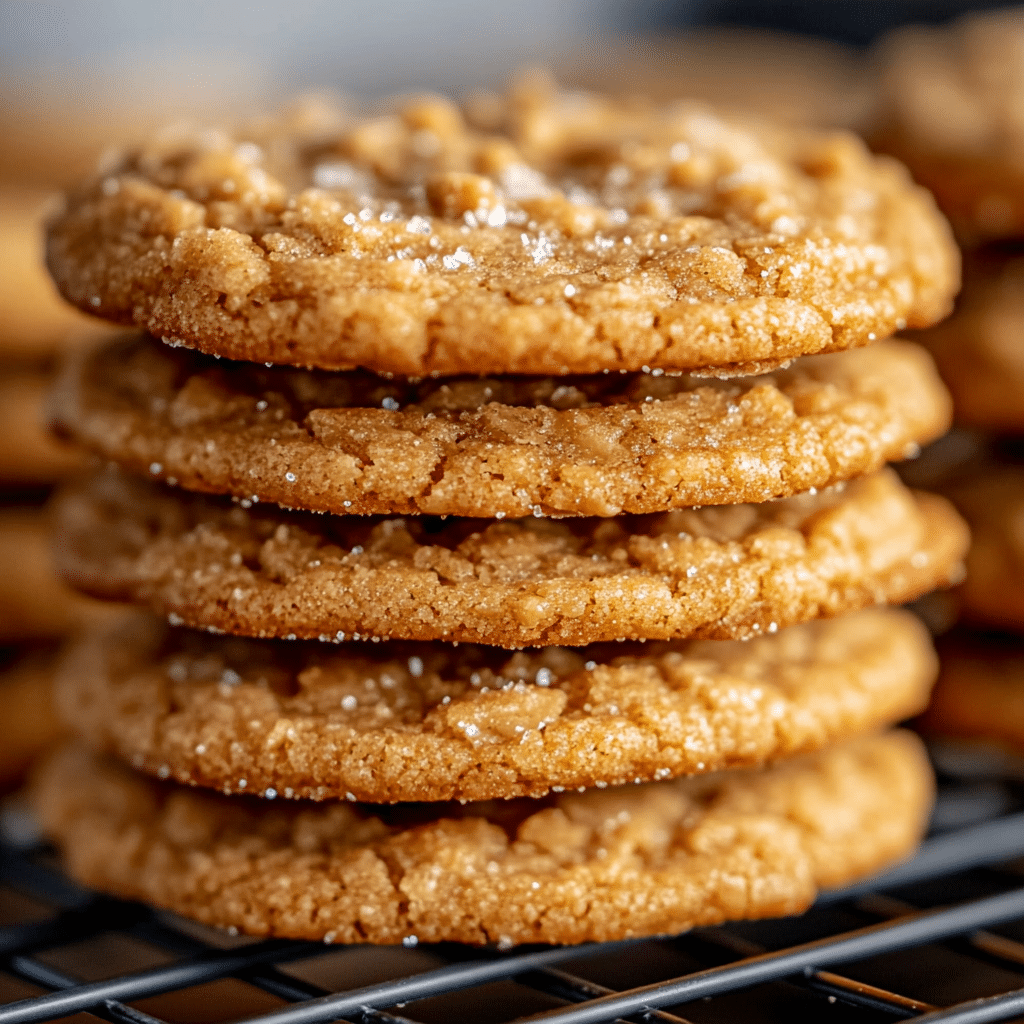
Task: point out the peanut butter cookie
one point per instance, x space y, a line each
605 864
992 502
419 721
544 233
723 572
582 445
978 350
980 693
951 110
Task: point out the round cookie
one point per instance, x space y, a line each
723 572
601 865
978 350
550 233
992 502
950 102
980 693
415 721
585 445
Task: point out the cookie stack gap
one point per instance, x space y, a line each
501 603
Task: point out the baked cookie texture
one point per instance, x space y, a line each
950 108
980 692
992 502
605 864
978 351
415 721
542 232
597 444
723 572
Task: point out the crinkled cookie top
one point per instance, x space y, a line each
538 232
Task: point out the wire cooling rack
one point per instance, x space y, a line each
941 938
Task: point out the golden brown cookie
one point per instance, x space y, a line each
584 445
552 233
950 107
29 725
980 693
34 322
29 454
979 350
419 721
719 573
992 502
605 864
34 603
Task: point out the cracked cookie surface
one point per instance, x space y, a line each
421 721
541 232
599 444
601 865
726 572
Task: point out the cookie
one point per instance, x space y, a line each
414 721
33 321
724 572
545 233
29 454
584 445
34 603
949 103
978 351
992 502
980 693
605 864
29 724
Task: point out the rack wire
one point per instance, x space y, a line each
940 938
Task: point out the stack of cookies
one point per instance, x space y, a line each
951 100
509 482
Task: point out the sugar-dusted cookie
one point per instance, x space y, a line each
950 107
419 721
979 350
980 693
583 445
719 573
605 864
992 502
545 233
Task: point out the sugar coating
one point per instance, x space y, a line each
978 350
605 864
582 445
545 232
950 107
419 721
992 502
725 572
980 693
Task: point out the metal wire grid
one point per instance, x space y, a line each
738 962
